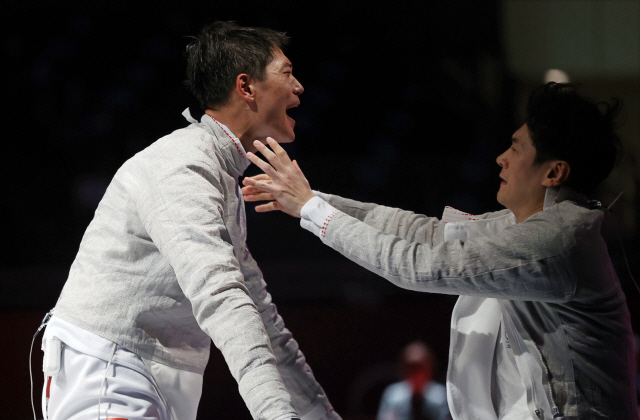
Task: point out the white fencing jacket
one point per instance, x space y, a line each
164 268
544 287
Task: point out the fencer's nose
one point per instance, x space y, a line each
298 89
501 161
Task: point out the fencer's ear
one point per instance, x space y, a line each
244 87
557 173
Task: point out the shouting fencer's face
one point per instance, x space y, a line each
275 95
523 180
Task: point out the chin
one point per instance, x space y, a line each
284 136
287 139
500 199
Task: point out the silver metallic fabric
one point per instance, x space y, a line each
552 270
163 269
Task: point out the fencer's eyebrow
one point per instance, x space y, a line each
289 65
514 140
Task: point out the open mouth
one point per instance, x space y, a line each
292 112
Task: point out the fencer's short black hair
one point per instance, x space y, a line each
221 52
567 126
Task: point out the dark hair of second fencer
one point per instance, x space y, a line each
567 126
221 52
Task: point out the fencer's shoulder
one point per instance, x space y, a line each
576 219
191 142
547 233
184 151
182 147
569 214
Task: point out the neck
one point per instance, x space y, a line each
239 121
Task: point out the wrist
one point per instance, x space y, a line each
310 207
306 199
303 202
316 214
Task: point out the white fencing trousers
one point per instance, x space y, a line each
74 391
75 366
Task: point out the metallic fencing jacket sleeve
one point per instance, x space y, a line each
393 221
183 214
307 396
553 269
533 260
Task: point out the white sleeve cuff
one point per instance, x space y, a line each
315 215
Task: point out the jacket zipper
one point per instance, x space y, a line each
512 330
554 407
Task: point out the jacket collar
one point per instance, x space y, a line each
556 195
232 151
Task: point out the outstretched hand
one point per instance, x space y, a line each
254 194
283 182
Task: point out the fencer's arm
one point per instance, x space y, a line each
402 223
527 261
181 208
394 221
307 396
291 182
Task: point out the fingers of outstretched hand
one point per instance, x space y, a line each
268 153
258 196
258 186
260 177
271 206
268 169
279 151
249 191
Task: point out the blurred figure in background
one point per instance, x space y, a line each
417 397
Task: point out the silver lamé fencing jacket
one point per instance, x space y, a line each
549 278
163 269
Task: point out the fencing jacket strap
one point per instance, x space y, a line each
528 360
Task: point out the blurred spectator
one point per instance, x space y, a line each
417 397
